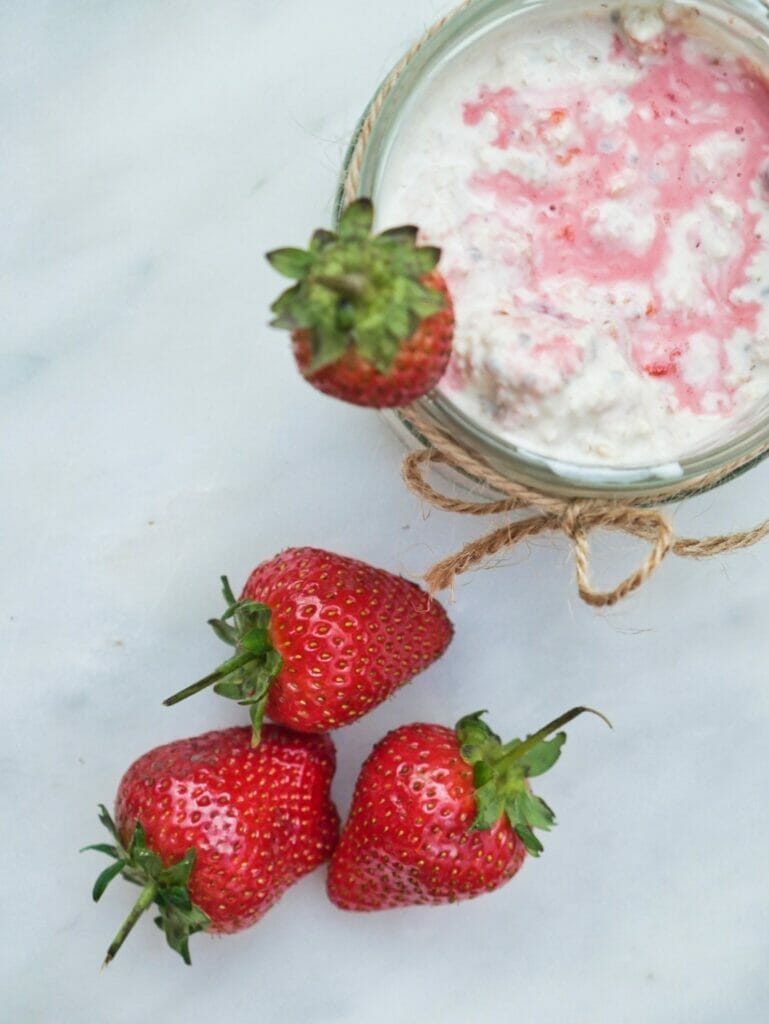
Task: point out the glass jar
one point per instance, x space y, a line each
366 169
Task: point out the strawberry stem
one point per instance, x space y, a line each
246 677
224 670
501 774
145 900
558 723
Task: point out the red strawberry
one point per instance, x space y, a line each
371 319
321 639
215 831
440 815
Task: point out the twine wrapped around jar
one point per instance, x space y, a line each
540 512
575 517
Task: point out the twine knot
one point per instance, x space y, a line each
535 512
581 518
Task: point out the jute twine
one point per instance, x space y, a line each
538 512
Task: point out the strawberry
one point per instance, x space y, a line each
371 319
215 831
440 815
321 639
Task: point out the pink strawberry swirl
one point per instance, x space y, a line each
620 201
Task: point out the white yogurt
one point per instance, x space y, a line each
600 189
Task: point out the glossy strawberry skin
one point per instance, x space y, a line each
406 841
419 365
258 818
349 635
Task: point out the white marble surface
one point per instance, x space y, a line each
154 434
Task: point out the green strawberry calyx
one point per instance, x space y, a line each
164 885
501 772
356 290
248 675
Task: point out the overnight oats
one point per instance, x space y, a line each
598 182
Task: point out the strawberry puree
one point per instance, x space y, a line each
675 105
601 193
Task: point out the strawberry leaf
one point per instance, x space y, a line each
105 878
177 897
540 759
357 220
108 823
476 740
256 713
523 808
257 641
166 887
321 239
179 924
110 851
490 806
327 347
227 634
530 841
428 303
289 308
230 690
292 263
406 233
482 774
178 875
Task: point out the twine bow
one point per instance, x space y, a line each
577 518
